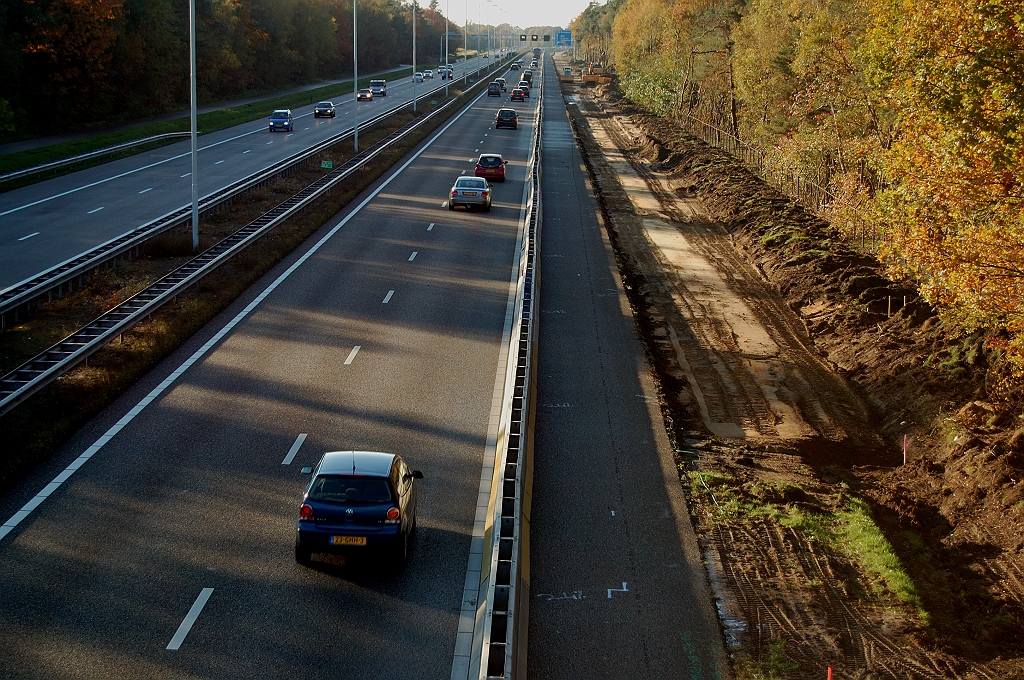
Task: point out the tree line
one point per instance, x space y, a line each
69 63
910 113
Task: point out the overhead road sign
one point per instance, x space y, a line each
563 39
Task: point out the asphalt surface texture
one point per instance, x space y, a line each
45 224
618 587
382 335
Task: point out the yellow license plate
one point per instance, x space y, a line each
470 193
348 540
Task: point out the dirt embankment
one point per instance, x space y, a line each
790 409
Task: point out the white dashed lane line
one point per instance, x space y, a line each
190 619
270 142
413 256
187 174
95 210
352 354
387 298
295 449
25 238
430 226
218 162
145 190
247 151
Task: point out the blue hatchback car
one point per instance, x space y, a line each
281 119
358 501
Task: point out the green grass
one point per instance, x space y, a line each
207 122
850 530
770 663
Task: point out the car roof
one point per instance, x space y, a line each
490 155
370 463
277 111
326 104
506 110
470 181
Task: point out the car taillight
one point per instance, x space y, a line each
305 512
454 193
393 515
483 193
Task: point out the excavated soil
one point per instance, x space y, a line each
796 376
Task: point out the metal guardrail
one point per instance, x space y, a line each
504 576
73 270
39 371
43 167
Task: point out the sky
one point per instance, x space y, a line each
522 13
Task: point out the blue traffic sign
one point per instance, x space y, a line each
563 39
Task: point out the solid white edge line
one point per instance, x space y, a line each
295 449
190 619
17 517
352 354
387 298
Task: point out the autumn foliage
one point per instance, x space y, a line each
908 112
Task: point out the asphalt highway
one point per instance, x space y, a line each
618 587
50 222
160 541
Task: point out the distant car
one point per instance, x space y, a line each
324 110
429 73
470 191
364 95
525 87
358 500
281 119
494 89
506 118
504 85
528 76
514 66
417 77
379 88
517 95
449 67
491 166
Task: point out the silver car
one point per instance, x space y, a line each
470 191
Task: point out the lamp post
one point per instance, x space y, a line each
414 56
447 25
192 121
355 74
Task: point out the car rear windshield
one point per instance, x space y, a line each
506 113
490 161
470 183
347 490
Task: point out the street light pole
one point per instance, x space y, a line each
355 72
192 116
414 56
447 26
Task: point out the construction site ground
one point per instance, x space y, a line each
794 375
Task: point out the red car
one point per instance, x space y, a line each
491 166
517 95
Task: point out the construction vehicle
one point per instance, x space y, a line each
566 76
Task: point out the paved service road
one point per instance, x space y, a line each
47 223
618 587
192 493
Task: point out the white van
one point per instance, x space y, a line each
379 88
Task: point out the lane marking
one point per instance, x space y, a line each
444 204
186 174
295 449
247 151
430 226
463 172
387 298
304 129
190 619
475 150
352 354
413 256
37 500
25 238
218 162
623 589
94 210
270 142
145 190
